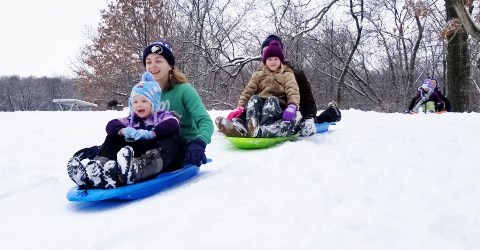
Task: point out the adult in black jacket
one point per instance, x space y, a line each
446 103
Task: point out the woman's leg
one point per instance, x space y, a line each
111 146
331 114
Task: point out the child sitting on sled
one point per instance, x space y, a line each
136 147
425 98
270 101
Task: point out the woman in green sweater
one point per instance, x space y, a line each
179 96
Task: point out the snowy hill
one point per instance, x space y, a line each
374 181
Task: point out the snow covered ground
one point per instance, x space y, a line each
374 181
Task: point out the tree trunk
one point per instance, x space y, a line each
458 65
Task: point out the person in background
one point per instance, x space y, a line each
179 96
137 147
445 106
425 99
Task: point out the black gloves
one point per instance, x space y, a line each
196 153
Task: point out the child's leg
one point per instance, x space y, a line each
271 111
422 108
145 166
253 115
430 106
241 122
103 170
159 158
254 108
279 128
102 173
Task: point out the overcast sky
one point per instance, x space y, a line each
42 37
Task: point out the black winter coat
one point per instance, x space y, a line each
308 107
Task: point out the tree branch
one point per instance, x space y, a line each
468 23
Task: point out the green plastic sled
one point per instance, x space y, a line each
256 143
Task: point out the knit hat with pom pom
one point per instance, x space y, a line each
148 88
273 50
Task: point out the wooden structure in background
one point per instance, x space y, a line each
74 104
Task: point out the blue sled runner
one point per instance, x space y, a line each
323 127
137 190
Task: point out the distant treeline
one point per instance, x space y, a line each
34 93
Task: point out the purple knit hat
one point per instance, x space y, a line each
427 82
274 50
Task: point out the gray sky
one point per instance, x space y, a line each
42 37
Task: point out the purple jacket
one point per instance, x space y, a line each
434 97
166 124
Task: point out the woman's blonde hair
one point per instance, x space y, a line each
175 77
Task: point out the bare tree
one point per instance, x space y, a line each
109 66
32 93
461 22
465 13
357 13
213 41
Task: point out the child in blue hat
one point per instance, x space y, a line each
136 147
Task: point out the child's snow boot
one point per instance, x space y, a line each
124 161
76 172
147 165
228 128
95 173
307 127
102 172
110 174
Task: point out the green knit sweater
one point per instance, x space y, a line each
195 122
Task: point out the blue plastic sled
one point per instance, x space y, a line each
137 190
323 127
